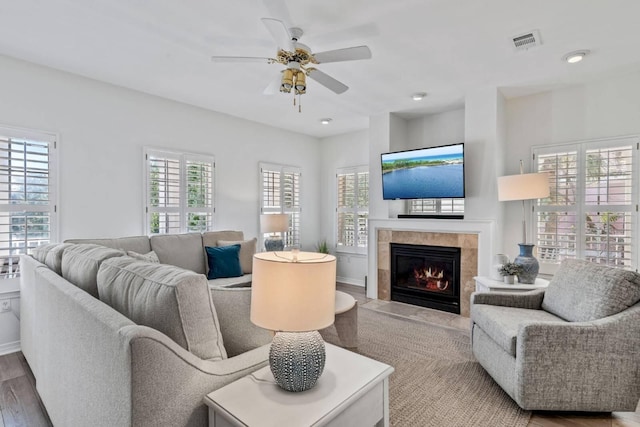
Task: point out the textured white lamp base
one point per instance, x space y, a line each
297 359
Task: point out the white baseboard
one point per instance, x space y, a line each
350 281
10 347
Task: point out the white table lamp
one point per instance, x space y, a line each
293 294
526 186
274 223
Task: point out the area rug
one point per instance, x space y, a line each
436 382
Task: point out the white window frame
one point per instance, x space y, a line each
580 208
436 206
355 209
292 237
10 266
182 210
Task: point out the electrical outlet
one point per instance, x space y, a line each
5 305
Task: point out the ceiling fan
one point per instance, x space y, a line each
298 59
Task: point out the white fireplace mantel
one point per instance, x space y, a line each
483 228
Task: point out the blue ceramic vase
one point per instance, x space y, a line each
528 263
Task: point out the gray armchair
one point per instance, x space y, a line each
572 347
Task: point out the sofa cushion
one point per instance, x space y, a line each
247 250
223 262
181 250
50 255
501 323
582 291
245 279
170 299
80 264
210 238
148 257
138 244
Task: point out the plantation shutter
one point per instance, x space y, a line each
591 212
352 208
280 192
179 192
27 196
436 206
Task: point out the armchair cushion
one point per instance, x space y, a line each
582 291
502 323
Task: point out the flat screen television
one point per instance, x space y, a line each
425 173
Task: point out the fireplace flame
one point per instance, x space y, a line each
432 279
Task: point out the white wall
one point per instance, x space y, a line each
436 129
599 109
347 150
102 130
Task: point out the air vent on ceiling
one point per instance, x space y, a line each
527 40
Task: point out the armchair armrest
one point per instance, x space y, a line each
589 366
530 299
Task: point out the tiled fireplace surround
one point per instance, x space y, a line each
468 238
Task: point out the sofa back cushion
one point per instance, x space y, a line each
80 264
138 244
582 291
182 250
50 255
169 299
247 250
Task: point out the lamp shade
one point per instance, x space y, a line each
523 187
293 296
273 223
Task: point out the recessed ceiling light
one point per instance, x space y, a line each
325 121
418 96
575 56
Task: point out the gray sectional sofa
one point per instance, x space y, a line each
117 341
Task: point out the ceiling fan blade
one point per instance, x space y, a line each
346 54
327 81
278 9
241 59
279 32
274 86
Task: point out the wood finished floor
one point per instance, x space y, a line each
539 418
20 405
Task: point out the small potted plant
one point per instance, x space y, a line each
509 271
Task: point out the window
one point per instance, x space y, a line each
179 190
352 208
591 212
436 206
27 196
280 193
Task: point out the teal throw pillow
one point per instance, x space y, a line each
224 261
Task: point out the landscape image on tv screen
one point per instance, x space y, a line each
436 172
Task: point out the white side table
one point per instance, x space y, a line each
353 390
346 321
485 284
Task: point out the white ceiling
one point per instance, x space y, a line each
443 47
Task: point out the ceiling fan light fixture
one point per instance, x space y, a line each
301 83
419 96
575 56
325 121
287 81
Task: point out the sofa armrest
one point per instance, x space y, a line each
233 307
597 362
531 299
169 383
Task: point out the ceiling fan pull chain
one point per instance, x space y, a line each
299 103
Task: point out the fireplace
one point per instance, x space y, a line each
424 275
